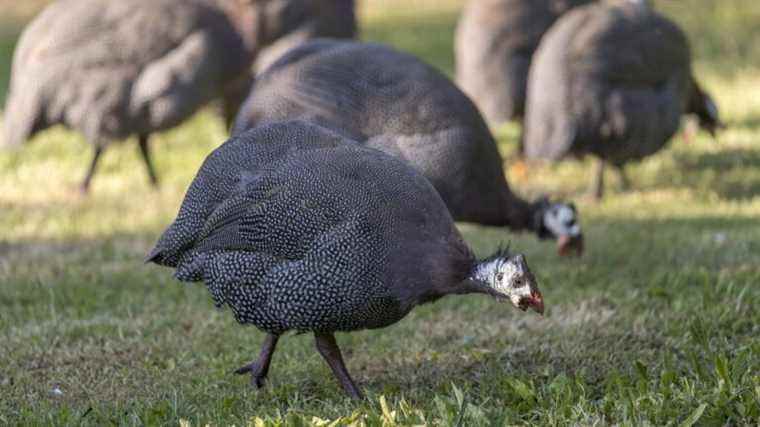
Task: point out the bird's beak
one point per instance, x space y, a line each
536 302
713 130
570 245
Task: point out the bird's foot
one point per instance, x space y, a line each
258 375
83 189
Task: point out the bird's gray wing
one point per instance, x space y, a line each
78 59
92 34
271 215
238 223
236 229
236 165
231 250
172 87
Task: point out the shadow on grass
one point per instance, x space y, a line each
751 122
729 172
589 353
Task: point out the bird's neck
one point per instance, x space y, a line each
484 273
507 209
522 215
479 280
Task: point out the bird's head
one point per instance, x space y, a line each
704 107
559 221
508 277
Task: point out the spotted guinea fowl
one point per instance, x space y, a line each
295 228
396 103
611 79
495 41
114 69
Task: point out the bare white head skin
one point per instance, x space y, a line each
508 277
560 220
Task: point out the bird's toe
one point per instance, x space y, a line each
258 381
258 378
246 369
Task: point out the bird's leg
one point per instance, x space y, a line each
145 151
85 186
260 367
596 190
329 350
625 183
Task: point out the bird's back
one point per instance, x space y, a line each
609 79
294 227
396 103
366 88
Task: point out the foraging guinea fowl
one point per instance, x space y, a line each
320 18
295 228
396 103
132 67
611 79
495 41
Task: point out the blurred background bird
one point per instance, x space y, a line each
611 79
111 70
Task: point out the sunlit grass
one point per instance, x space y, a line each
657 324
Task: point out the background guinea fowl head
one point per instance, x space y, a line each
508 277
560 222
704 107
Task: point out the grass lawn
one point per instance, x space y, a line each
657 324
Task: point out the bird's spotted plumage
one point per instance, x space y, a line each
294 228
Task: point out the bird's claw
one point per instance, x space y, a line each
258 378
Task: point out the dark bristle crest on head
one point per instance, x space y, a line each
502 251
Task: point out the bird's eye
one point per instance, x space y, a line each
499 276
570 222
518 283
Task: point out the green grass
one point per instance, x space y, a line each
657 324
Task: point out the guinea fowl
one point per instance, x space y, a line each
396 103
611 79
295 228
132 67
495 41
